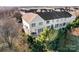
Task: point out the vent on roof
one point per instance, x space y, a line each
50 10
57 10
43 10
38 10
47 10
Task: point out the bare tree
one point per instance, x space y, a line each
8 30
10 33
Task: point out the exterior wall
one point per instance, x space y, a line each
37 20
63 20
26 27
57 21
53 22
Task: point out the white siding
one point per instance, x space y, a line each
37 20
53 22
25 24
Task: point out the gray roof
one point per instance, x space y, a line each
54 15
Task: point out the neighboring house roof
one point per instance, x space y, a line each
46 15
54 15
28 17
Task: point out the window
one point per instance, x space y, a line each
41 23
26 27
64 24
40 30
48 26
61 25
56 25
33 33
57 20
47 22
52 20
33 24
51 26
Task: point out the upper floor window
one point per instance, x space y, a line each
52 20
41 23
61 24
57 20
26 27
33 24
47 22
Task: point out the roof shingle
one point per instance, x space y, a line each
46 15
54 15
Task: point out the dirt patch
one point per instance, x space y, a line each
75 13
75 31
